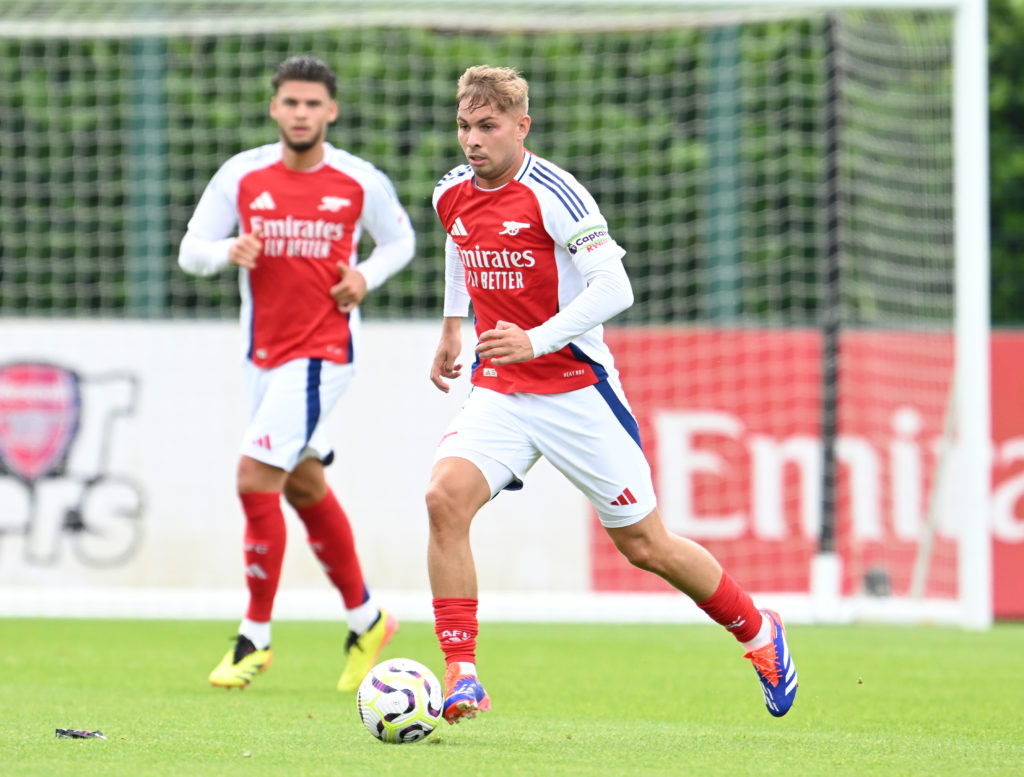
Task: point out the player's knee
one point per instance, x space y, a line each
441 501
643 546
301 493
447 508
249 478
305 485
641 553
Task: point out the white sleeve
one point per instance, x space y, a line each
198 256
213 226
389 226
607 294
386 259
574 221
456 296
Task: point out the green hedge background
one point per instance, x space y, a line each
92 188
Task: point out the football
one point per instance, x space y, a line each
400 701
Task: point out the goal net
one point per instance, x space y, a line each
797 187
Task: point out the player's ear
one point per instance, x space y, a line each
523 126
273 107
333 113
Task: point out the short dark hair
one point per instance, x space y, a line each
305 67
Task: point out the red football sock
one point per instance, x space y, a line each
456 627
265 538
732 607
330 537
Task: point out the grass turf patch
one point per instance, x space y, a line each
591 700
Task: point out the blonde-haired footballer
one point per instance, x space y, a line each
528 247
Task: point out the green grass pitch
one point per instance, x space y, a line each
593 700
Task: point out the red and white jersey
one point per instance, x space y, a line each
310 221
523 252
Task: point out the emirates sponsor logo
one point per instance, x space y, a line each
487 259
291 227
289 236
496 269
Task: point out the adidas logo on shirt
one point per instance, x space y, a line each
263 202
458 229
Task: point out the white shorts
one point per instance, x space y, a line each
287 408
589 435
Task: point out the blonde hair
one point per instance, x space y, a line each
501 87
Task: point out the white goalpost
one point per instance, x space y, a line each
972 378
801 188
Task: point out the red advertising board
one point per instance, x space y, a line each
1008 474
731 422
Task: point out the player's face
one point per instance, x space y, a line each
492 141
303 110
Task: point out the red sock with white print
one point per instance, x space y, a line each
732 607
456 627
265 538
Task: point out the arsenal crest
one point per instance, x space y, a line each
40 408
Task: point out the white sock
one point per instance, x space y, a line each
764 636
466 667
258 632
362 617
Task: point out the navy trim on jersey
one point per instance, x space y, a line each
598 368
312 396
561 190
252 319
529 161
351 339
456 172
476 357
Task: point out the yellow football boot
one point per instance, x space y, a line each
364 649
240 665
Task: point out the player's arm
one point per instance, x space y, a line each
209 244
608 293
384 261
456 307
446 364
394 244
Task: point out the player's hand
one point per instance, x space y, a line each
350 290
505 344
246 248
445 364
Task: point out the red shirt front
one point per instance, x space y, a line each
310 221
